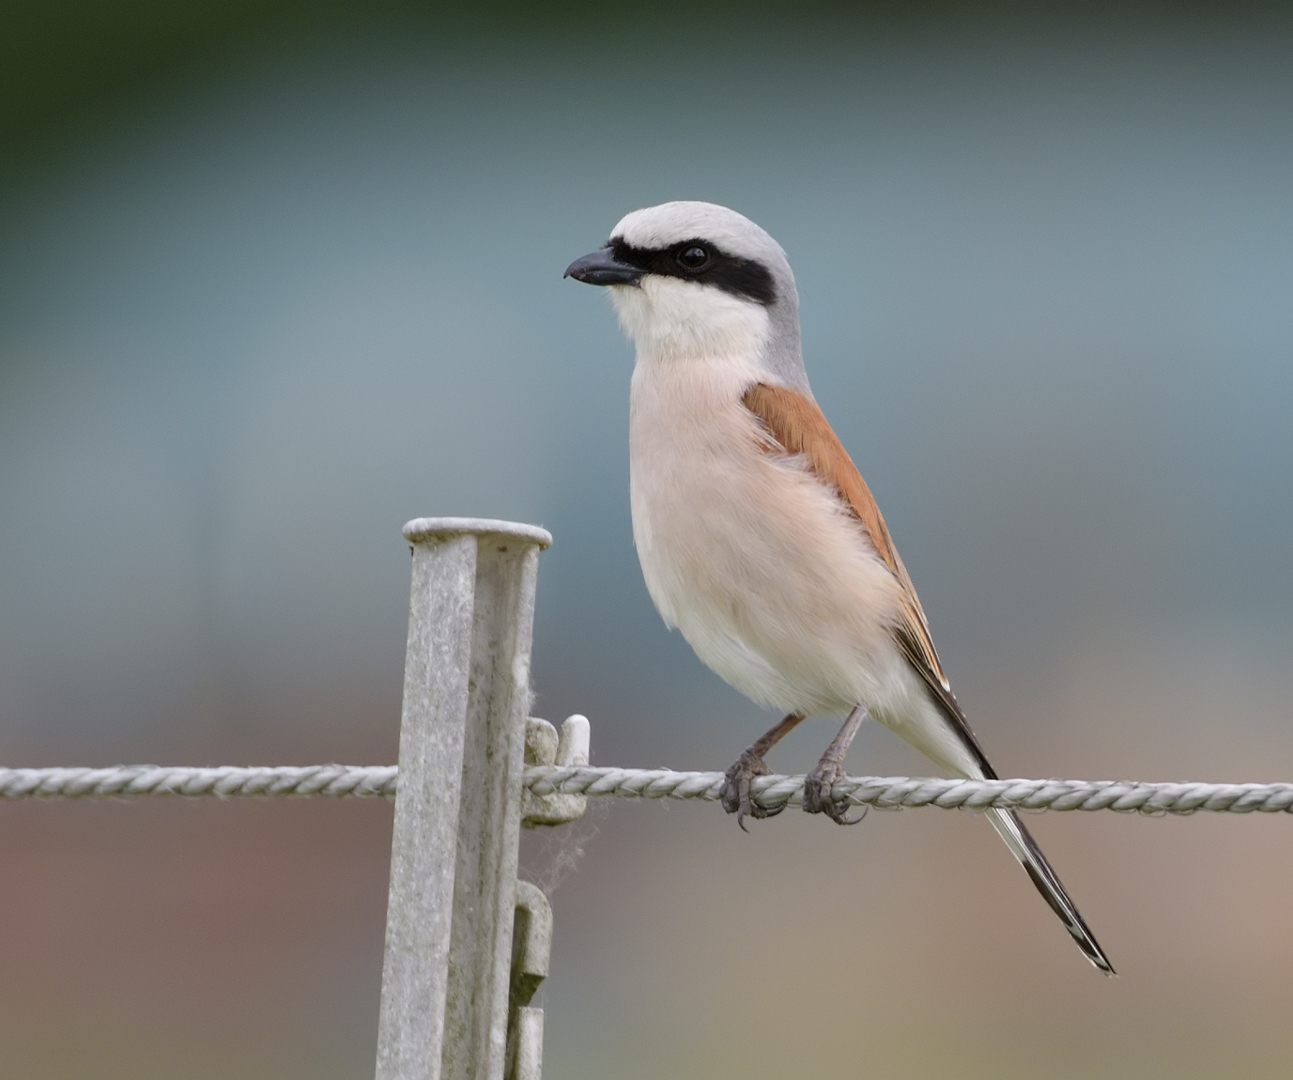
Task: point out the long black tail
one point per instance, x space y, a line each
1006 822
1025 849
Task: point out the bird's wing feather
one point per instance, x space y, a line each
798 426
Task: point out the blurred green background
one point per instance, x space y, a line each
277 277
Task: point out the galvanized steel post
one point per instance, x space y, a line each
445 980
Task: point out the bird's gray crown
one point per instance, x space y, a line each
708 243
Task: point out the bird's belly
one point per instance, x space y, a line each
769 578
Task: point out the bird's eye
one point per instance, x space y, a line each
693 258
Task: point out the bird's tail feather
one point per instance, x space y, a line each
1025 849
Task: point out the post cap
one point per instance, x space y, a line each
420 530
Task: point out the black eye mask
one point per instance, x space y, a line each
701 261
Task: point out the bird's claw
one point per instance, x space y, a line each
819 798
735 794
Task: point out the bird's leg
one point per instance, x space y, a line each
818 783
735 795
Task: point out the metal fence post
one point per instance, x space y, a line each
445 979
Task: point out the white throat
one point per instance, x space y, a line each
672 320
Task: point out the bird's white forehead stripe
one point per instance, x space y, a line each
671 223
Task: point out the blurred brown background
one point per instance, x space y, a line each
277 277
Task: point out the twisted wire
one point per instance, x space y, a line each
886 793
898 792
221 781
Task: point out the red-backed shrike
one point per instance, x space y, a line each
758 537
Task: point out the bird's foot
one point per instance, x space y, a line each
735 795
818 796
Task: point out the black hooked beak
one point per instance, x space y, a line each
601 267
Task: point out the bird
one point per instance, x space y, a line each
757 536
